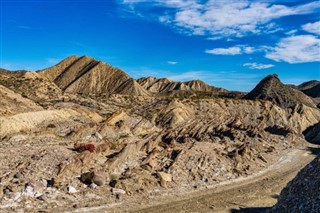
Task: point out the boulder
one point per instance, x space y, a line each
72 190
117 192
97 178
164 178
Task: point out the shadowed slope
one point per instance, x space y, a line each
271 88
311 88
302 194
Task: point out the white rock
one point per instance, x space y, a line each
28 191
116 191
72 190
93 186
16 196
18 138
98 135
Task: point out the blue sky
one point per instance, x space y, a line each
231 44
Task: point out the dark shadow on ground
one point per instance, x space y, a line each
314 150
251 210
311 133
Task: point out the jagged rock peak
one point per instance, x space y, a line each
272 89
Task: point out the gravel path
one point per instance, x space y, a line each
256 193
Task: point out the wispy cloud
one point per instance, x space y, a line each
312 27
172 62
296 49
257 66
291 32
236 50
218 18
225 51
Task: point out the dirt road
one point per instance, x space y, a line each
252 194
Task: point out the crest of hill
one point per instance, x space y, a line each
85 75
30 85
271 88
13 103
311 88
164 85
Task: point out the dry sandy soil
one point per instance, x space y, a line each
83 136
256 193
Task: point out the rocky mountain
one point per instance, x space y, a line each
85 75
302 194
310 88
30 85
272 89
164 85
123 139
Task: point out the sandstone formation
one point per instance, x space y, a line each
86 75
13 103
85 131
271 89
166 86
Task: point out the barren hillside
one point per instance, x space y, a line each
86 75
83 133
271 88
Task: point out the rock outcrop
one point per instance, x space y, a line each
302 194
271 89
93 134
31 85
165 86
311 88
13 103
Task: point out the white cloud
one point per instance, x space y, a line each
236 18
296 49
172 62
225 51
248 50
236 50
166 3
312 27
257 66
214 38
291 32
218 18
